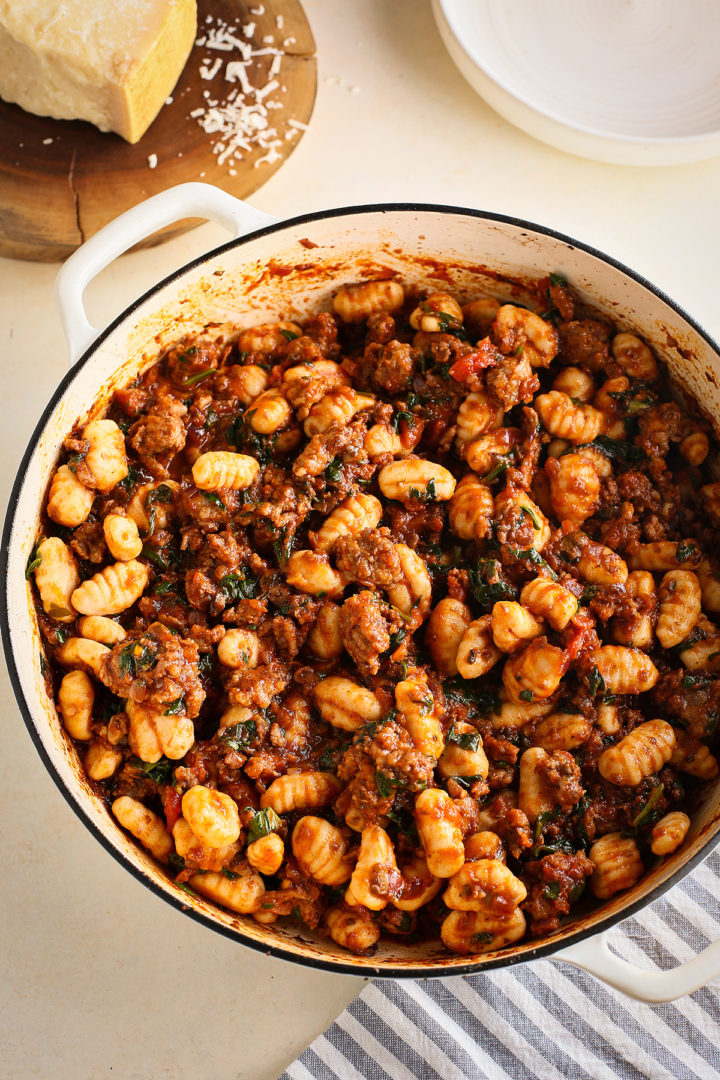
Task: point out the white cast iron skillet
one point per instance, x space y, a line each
273 269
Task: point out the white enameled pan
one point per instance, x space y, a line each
288 268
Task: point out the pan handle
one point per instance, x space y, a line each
184 201
594 956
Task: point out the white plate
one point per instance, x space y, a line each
633 82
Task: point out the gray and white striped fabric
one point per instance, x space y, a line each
542 1020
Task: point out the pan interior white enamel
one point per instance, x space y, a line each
293 270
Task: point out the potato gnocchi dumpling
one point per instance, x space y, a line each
398 619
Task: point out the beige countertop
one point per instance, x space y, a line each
100 978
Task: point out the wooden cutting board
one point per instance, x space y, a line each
61 180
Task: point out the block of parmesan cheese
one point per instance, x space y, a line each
112 63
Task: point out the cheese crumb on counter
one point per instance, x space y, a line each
82 60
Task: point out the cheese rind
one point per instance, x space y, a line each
83 60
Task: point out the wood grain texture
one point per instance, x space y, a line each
62 180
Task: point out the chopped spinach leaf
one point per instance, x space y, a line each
130 480
160 771
424 496
134 658
533 556
240 585
618 449
685 550
214 498
466 740
408 417
155 555
466 691
333 471
489 584
596 683
33 562
383 785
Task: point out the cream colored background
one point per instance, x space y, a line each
99 978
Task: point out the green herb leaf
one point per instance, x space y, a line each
552 891
557 279
533 556
596 683
214 498
383 785
176 706
288 334
263 823
130 480
32 564
329 758
526 695
283 547
424 496
483 937
396 638
197 378
696 681
401 415
239 736
163 588
503 464
649 814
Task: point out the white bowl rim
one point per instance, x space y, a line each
279 951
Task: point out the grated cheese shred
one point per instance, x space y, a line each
236 113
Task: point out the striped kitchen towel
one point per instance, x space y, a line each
542 1020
